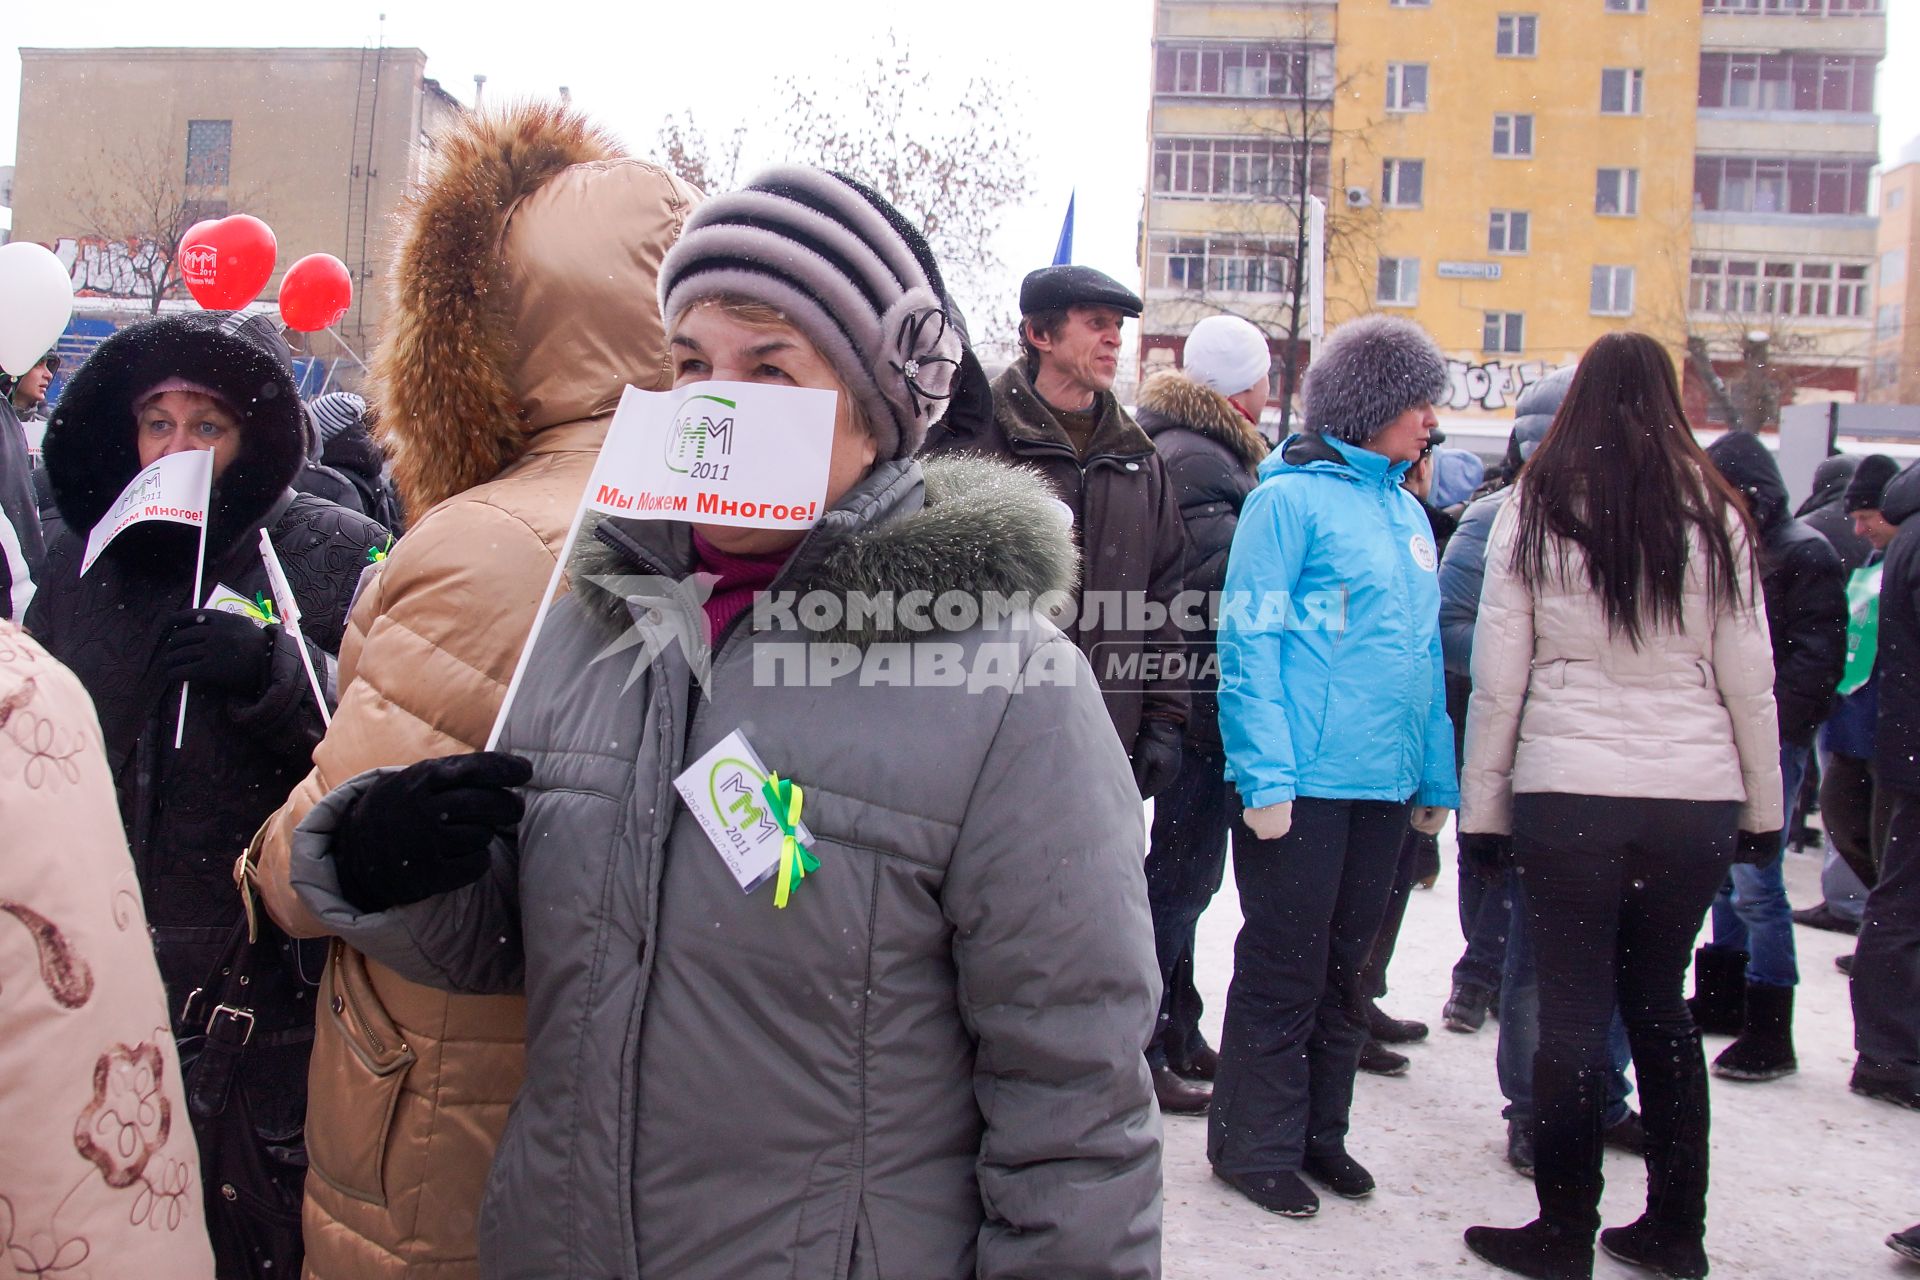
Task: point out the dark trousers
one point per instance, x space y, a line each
1854 814
1616 889
1185 864
1414 849
1313 902
1886 961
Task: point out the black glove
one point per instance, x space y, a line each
1758 847
426 829
1156 757
1489 856
206 646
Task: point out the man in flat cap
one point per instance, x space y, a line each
1054 411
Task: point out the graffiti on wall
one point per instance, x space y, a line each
1491 384
103 268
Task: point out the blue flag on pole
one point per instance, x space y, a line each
1063 252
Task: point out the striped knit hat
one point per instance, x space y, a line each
848 271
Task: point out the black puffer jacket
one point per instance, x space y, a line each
1211 451
1896 738
1805 589
189 812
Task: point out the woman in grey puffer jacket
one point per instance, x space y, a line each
929 1062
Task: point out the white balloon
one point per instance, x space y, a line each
36 301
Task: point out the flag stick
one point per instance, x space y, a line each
199 568
290 619
539 620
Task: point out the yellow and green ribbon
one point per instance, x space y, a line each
376 554
784 801
261 609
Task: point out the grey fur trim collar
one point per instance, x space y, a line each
957 523
1184 402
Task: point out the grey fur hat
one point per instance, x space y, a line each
846 269
1371 371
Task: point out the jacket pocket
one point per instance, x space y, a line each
363 1058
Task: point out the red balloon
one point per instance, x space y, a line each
227 263
315 292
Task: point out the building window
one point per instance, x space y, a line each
1409 4
1400 183
1893 267
1741 184
1513 135
1807 8
1255 168
1406 86
1612 292
1787 82
1756 287
1218 264
1616 193
1507 231
1626 6
1399 284
1517 35
1622 91
1504 332
209 152
1895 198
1886 323
1221 69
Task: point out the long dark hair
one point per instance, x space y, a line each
1620 476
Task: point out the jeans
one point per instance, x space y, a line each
1751 912
1520 1021
1313 902
1886 961
1185 865
1615 891
1485 913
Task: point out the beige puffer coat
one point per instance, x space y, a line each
98 1173
1561 705
524 302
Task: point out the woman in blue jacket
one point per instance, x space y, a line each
1333 714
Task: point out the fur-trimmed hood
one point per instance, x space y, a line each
959 524
90 448
524 295
1170 399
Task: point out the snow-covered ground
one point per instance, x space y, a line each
1808 1179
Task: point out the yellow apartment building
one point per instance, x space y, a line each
1521 176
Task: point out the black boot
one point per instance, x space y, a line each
1719 990
1668 1238
1764 1050
1538 1250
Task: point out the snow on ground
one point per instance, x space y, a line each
1807 1180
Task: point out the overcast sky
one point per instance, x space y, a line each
1078 70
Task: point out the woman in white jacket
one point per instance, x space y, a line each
1621 747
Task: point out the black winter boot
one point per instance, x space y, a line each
1538 1249
1764 1050
1719 997
1668 1238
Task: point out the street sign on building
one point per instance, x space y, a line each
1468 270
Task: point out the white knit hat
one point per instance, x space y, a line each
1228 354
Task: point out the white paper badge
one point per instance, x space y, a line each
1422 548
722 790
726 453
225 599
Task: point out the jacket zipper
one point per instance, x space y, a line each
359 1014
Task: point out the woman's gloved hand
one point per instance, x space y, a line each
1156 757
225 650
1270 822
426 829
1490 856
1428 819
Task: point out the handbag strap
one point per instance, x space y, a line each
225 999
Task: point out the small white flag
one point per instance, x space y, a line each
176 488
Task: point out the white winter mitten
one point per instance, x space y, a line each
1429 818
1272 821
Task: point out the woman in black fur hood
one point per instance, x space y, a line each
223 381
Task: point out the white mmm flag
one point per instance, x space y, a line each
176 488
